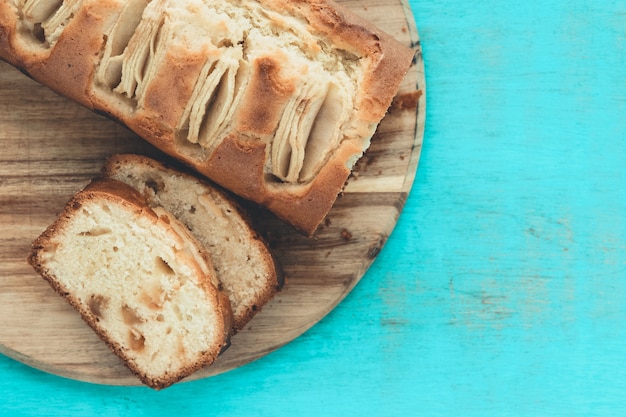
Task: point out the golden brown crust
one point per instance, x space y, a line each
68 67
165 106
260 117
7 32
120 193
245 159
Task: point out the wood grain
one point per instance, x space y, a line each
51 147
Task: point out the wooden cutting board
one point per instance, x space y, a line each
51 147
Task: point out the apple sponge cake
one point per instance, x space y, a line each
274 100
245 267
139 279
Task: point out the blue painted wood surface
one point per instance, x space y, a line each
502 290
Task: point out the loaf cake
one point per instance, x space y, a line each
246 269
139 279
274 100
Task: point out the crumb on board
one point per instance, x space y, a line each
406 101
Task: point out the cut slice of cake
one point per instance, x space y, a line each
245 267
139 279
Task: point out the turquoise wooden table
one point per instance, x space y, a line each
502 290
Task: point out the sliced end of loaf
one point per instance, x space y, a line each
138 279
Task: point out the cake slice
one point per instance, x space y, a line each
139 279
245 267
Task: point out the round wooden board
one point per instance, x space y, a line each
51 147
